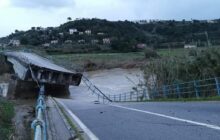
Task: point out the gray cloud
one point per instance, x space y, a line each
42 3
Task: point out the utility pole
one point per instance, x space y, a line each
207 38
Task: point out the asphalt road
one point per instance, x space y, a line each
147 121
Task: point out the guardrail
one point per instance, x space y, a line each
192 89
132 96
39 124
95 90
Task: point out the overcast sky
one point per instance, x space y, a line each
24 14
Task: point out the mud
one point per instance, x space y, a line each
117 80
23 118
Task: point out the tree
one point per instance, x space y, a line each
69 19
16 31
24 41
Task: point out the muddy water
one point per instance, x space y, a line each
115 81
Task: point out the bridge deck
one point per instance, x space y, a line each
36 60
32 67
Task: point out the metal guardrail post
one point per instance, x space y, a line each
217 85
178 90
165 91
137 97
145 94
196 86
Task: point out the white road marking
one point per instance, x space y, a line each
170 117
80 123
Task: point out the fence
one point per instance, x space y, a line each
95 90
133 96
39 124
193 89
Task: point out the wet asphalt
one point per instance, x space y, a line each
108 122
112 123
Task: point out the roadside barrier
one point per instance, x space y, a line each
39 124
95 90
192 89
133 96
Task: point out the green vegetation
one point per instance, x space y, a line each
192 64
6 115
124 36
214 98
94 61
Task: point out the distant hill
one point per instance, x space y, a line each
120 35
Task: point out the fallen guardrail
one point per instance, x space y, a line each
132 96
39 124
95 90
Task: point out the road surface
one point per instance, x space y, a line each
146 121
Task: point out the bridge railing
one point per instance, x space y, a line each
39 124
132 96
192 89
95 90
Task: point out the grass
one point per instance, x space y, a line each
98 60
6 115
172 52
214 98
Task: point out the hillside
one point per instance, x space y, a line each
97 34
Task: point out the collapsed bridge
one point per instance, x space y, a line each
30 69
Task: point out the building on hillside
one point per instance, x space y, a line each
72 31
54 42
187 46
68 41
212 21
82 41
106 41
100 33
14 42
61 34
46 45
81 33
95 41
141 46
88 32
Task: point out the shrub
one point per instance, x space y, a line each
150 53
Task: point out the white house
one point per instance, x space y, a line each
106 40
72 31
186 46
100 33
88 32
82 41
15 42
53 41
46 45
61 34
81 33
68 41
